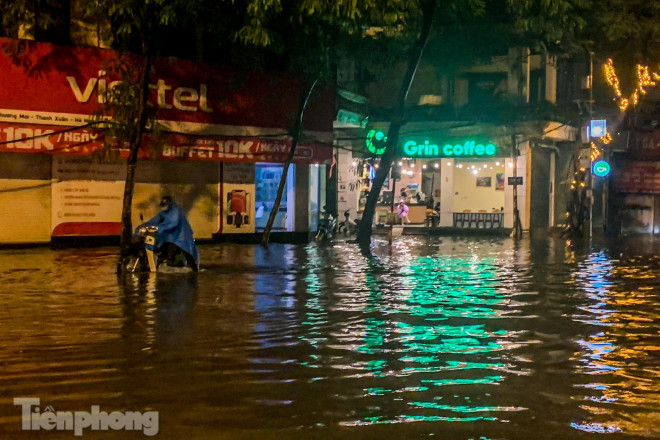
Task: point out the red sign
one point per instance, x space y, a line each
646 144
52 139
48 90
637 177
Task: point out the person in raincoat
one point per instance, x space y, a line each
174 233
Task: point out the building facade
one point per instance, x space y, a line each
473 139
220 138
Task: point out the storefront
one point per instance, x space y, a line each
471 178
217 139
635 196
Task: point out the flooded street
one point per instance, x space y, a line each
438 338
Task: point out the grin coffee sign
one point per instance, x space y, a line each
465 149
376 139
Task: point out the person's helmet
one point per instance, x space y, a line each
165 201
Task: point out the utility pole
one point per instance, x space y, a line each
591 116
391 219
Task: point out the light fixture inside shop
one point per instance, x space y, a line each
435 165
475 172
424 166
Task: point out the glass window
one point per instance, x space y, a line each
267 180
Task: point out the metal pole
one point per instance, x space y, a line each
591 115
392 209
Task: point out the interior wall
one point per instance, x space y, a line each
468 195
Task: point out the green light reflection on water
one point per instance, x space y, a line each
441 312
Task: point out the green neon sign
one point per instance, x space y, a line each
601 168
466 149
376 141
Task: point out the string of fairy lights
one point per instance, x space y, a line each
644 79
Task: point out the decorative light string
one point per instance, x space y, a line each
644 79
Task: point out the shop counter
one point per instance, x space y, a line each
416 213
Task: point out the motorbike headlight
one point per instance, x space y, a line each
142 230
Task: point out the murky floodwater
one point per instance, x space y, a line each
444 338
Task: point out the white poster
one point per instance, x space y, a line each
87 196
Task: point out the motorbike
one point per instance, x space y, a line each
146 256
327 227
348 225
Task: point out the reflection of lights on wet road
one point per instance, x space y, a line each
434 334
607 353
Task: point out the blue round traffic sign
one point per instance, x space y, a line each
601 168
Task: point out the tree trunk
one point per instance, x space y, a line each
297 133
365 226
134 146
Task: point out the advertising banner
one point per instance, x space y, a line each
87 196
637 177
49 93
646 144
58 140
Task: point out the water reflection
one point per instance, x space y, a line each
615 354
451 338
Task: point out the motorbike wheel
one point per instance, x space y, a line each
132 264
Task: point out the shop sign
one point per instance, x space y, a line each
376 140
601 168
226 108
465 149
637 177
597 128
645 144
58 140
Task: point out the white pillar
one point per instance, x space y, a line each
447 193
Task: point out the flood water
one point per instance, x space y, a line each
442 338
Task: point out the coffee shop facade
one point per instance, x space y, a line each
470 172
219 149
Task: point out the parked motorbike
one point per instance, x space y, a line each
327 227
348 225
